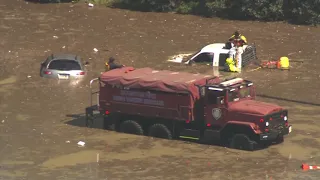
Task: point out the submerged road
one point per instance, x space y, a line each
41 121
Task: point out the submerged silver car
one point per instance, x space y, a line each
62 66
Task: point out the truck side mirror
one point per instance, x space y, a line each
220 100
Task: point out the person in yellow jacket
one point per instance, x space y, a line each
230 65
238 36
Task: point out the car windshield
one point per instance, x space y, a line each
236 95
65 65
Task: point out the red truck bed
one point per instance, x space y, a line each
150 92
147 78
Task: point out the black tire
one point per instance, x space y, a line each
110 127
242 142
160 131
279 140
109 123
89 121
131 127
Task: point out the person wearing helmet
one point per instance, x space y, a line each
230 65
110 65
238 38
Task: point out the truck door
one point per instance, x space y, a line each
204 58
215 110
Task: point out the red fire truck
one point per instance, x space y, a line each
166 104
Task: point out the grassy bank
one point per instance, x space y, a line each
294 11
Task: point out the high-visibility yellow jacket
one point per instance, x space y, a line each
112 65
242 37
230 65
107 67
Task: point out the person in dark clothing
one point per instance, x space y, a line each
110 65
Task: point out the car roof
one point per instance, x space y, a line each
65 57
213 47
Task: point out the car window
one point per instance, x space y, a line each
222 59
65 65
204 58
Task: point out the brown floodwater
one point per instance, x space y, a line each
41 120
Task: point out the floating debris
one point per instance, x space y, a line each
81 143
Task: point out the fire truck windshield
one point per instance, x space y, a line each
237 94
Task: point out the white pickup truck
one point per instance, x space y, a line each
215 54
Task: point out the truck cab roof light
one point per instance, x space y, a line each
215 89
232 82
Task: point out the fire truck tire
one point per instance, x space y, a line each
242 142
279 140
131 127
160 131
110 127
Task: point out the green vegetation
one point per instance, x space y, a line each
294 11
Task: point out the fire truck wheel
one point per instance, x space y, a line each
110 127
243 142
279 140
160 131
131 127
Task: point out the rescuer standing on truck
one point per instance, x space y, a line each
236 39
230 65
110 65
236 42
237 36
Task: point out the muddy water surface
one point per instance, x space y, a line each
41 120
